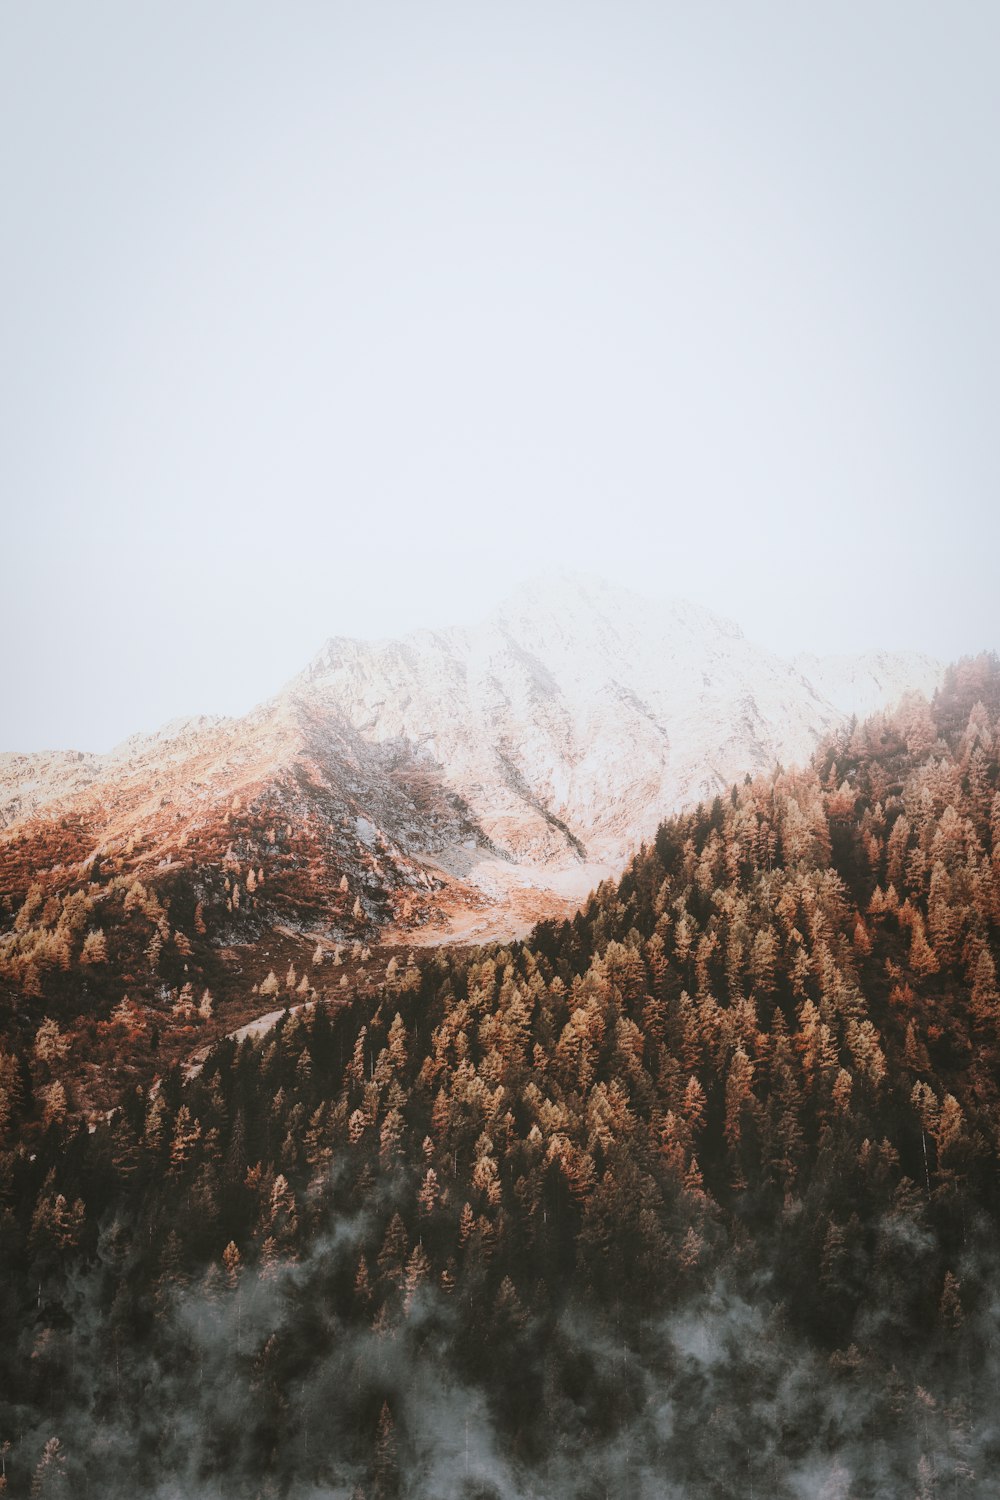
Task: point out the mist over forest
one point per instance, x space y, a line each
693 1194
499 798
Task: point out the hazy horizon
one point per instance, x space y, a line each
472 619
348 323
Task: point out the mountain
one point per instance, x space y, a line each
696 1194
461 781
864 683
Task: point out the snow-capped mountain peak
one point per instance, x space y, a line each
535 749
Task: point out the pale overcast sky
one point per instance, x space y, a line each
345 318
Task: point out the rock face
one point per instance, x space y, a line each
507 766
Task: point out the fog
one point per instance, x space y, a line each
346 320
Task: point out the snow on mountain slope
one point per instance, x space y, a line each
576 715
526 755
872 680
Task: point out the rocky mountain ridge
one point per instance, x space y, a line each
504 768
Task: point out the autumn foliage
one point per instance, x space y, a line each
765 1060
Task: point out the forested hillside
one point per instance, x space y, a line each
455 782
694 1195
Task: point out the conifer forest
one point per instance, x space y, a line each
499 750
693 1194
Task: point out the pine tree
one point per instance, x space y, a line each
50 1480
418 1270
739 1099
232 1262
385 1468
185 1139
430 1192
985 997
95 948
394 1251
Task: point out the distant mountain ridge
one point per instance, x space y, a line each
506 765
